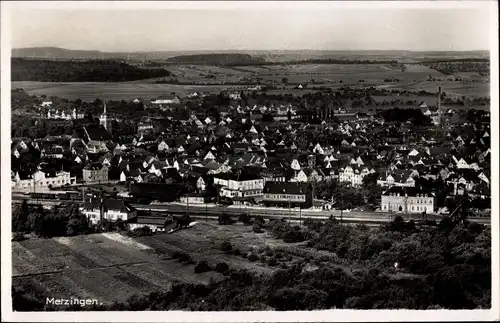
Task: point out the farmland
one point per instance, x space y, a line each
300 73
87 266
109 91
213 79
103 267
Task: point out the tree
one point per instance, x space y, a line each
77 222
20 217
284 81
226 246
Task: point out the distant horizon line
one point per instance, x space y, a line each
261 50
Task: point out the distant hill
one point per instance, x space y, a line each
217 59
245 56
79 71
58 53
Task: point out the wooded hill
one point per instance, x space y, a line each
80 71
217 59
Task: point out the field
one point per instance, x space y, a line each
111 267
100 266
301 73
476 89
414 78
110 91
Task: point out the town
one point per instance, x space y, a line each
159 166
232 150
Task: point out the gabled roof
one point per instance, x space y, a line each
97 133
411 191
108 204
296 188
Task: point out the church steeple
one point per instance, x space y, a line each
104 120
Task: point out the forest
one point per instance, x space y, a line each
216 59
80 71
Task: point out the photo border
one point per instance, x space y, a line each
272 316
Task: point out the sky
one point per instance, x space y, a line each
252 29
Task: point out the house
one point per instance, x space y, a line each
108 209
244 185
94 137
288 194
235 96
300 177
55 151
407 200
162 146
41 181
166 100
353 174
201 184
193 199
95 173
462 164
400 178
318 149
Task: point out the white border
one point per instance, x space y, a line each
302 316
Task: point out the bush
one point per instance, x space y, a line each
245 219
253 257
226 246
236 252
202 267
120 224
18 237
269 253
258 221
141 232
272 262
177 254
221 267
290 233
257 229
185 258
225 219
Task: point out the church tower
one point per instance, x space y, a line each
104 121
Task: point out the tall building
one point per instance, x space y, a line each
105 121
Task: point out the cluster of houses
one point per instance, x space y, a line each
240 157
48 111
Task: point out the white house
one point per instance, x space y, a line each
247 187
318 149
209 156
353 175
162 146
108 209
39 181
407 200
167 100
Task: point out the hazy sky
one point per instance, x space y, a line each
238 29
